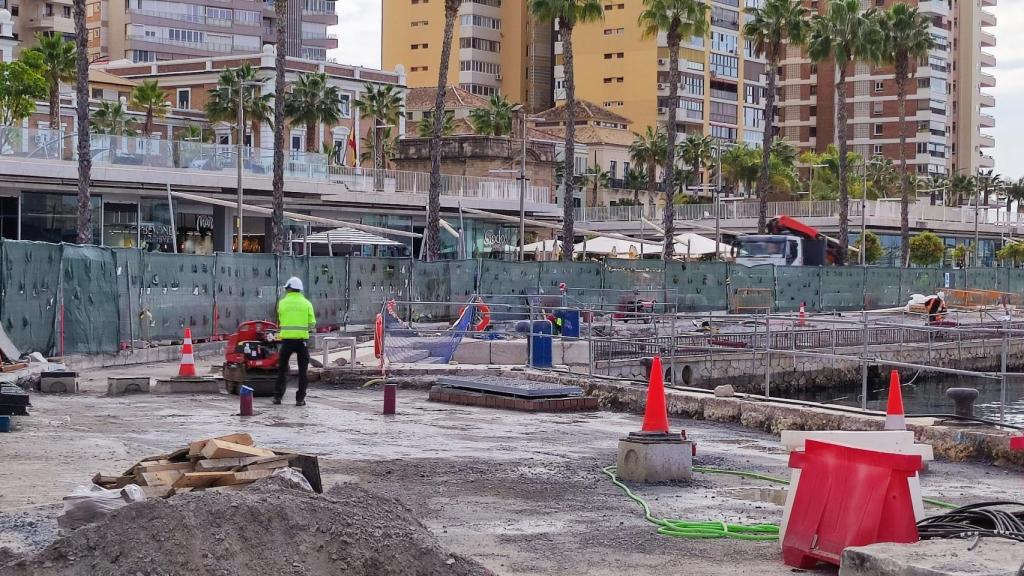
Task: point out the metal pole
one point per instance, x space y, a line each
238 160
174 225
1002 374
863 218
522 193
864 363
718 200
977 244
672 351
767 353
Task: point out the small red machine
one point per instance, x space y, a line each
251 357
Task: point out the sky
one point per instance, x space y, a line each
359 33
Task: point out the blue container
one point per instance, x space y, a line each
245 390
570 322
540 344
5 423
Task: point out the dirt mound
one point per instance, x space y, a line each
267 528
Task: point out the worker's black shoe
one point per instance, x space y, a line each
300 402
277 400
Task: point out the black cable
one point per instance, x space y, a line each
981 520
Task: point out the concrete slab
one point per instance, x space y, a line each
188 386
472 351
641 461
575 353
58 382
990 557
509 352
118 385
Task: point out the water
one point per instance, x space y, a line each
928 396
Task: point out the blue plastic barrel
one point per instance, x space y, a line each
570 322
540 344
5 423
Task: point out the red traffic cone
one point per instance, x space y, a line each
894 417
187 368
656 412
803 316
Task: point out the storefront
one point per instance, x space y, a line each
54 217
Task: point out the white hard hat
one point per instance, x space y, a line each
941 295
294 283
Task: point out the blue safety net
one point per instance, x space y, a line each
406 345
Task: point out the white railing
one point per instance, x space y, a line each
204 159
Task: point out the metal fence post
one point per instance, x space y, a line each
1002 374
672 350
767 354
864 362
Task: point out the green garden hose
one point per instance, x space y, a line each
698 529
718 529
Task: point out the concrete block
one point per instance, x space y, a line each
473 352
509 352
58 382
188 386
655 461
575 353
991 557
118 385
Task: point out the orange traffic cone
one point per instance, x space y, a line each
894 417
656 412
803 316
187 368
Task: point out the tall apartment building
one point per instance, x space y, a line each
723 80
497 48
944 97
158 30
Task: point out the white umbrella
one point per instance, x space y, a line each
605 246
692 244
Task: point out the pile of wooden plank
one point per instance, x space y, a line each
223 463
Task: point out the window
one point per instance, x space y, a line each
879 85
419 68
480 21
723 133
693 85
722 65
184 98
813 132
142 56
723 42
722 112
97 93
752 94
48 11
345 105
613 169
753 117
814 110
419 46
218 16
878 150
296 142
188 36
613 31
66 11
725 18
878 129
814 90
614 55
922 147
416 23
478 44
53 217
478 66
248 17
876 108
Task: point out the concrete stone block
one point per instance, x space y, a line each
991 557
509 352
118 385
188 386
473 352
575 353
58 382
725 391
655 461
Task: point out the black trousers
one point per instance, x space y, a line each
289 347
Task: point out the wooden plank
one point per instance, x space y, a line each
179 455
225 464
163 478
180 466
105 481
196 448
243 477
270 463
231 488
13 367
156 491
200 479
216 448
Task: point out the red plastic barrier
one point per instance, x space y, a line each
847 497
1017 443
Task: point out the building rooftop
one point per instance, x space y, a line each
594 135
586 111
420 99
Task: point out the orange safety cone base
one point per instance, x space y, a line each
895 418
656 411
187 368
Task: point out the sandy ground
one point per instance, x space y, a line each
521 493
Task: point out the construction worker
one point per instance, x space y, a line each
295 319
936 306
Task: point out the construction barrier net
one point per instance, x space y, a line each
65 299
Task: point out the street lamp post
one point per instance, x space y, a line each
863 214
239 148
521 110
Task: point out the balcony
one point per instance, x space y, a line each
986 161
986 80
191 18
988 60
319 7
988 3
987 100
327 40
934 7
986 39
988 19
51 23
987 121
201 46
986 141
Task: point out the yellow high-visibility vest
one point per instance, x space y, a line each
295 317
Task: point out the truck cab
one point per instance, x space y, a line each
776 249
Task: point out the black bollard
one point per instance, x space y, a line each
963 399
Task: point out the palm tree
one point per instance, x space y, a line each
82 111
114 119
383 105
597 179
568 14
432 231
635 178
495 119
152 99
741 165
696 152
1015 192
770 28
847 35
222 104
277 241
905 39
678 19
382 149
988 181
190 139
313 102
883 177
961 185
425 127
332 152
648 150
57 57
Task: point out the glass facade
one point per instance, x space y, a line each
120 225
54 217
156 232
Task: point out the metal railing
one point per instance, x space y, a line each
205 159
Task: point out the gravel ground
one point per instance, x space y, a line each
519 493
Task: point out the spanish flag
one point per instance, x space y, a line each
351 145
